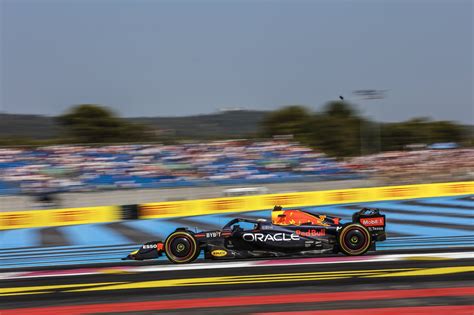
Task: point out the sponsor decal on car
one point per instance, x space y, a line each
296 217
378 221
311 232
158 246
150 246
375 228
277 237
219 253
213 234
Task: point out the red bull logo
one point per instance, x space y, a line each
311 232
295 217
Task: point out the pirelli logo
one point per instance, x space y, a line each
16 219
343 195
150 210
399 192
225 204
462 188
283 200
68 216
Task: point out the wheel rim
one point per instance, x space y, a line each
181 247
355 240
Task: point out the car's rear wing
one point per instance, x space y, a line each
372 219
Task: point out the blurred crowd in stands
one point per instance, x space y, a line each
426 165
153 166
83 168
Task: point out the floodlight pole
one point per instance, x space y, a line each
371 95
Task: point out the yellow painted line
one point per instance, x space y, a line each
24 293
4 291
199 281
426 258
426 272
114 271
225 280
233 280
178 283
321 273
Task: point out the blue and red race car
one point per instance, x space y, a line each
290 233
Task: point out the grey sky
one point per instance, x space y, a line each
164 58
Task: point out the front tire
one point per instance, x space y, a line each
181 247
354 240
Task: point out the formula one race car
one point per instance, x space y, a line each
291 233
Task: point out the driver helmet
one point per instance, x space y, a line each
277 208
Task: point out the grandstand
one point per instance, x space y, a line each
85 168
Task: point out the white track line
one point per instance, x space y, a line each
231 265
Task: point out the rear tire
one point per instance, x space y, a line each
181 247
354 240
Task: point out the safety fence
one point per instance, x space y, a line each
73 216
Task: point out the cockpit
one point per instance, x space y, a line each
244 224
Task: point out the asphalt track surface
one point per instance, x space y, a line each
430 272
414 283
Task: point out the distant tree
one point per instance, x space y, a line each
446 131
340 109
336 130
94 124
395 136
420 130
290 120
339 130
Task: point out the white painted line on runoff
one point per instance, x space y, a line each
196 266
231 265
